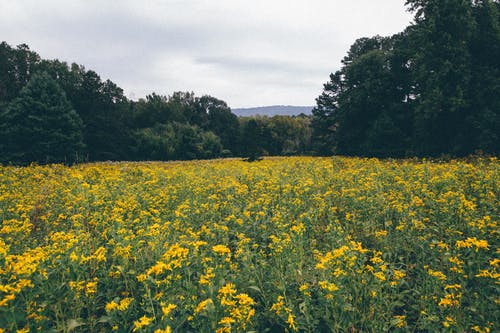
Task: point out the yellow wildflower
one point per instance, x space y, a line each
207 277
167 329
202 305
124 303
291 322
167 309
111 306
400 321
143 321
449 300
437 274
91 288
473 242
227 289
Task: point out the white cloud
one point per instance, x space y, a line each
247 53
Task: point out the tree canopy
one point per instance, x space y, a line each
40 125
431 90
111 127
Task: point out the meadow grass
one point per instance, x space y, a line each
282 245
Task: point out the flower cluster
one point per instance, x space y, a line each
291 244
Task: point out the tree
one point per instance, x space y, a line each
443 74
194 143
40 125
103 108
483 134
289 135
16 67
152 110
221 121
183 108
362 109
252 139
325 116
155 143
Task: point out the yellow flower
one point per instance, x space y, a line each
6 299
494 262
473 241
437 274
226 325
449 321
279 305
166 330
158 268
488 274
221 249
227 321
453 286
202 305
479 330
380 276
167 309
74 257
400 321
207 277
227 289
449 300
331 287
100 254
91 287
244 300
304 288
124 303
399 274
111 306
291 322
143 321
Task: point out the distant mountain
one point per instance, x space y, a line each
284 110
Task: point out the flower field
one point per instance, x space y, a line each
286 244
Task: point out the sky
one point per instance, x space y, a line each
247 53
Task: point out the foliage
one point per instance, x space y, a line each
430 90
290 244
277 135
40 125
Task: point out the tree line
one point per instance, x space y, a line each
54 112
431 90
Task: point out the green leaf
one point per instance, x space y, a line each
74 323
255 288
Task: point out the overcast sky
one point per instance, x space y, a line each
247 53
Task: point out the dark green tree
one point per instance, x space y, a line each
152 110
105 112
16 67
252 139
194 143
155 143
221 121
363 108
291 135
325 120
40 125
183 108
484 130
443 73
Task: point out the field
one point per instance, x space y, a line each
281 245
